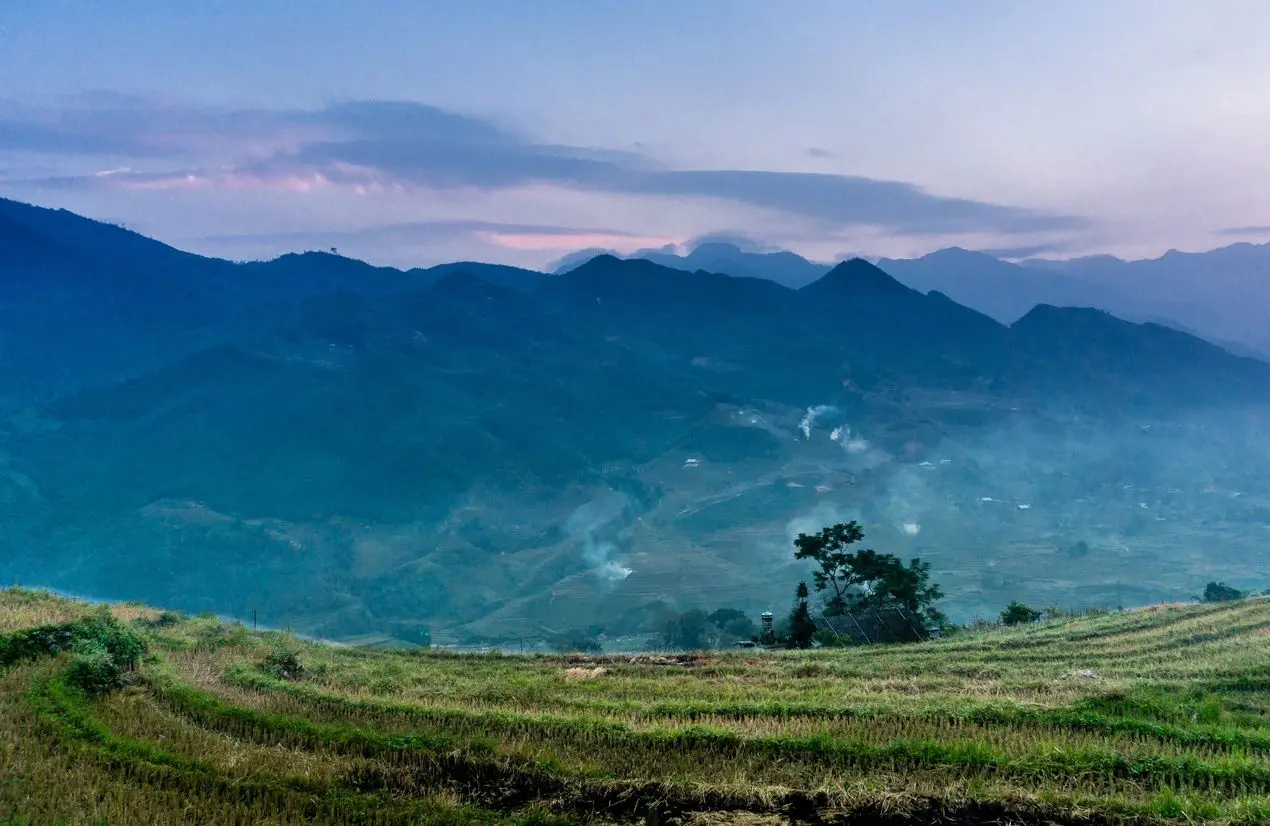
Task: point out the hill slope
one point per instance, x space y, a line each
502 461
84 303
501 454
1222 294
1000 289
1213 294
1148 717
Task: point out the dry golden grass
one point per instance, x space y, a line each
46 780
1145 717
22 608
584 673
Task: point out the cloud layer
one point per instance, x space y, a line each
116 141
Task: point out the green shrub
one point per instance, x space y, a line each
32 643
1019 614
98 633
105 651
167 619
283 664
1220 592
95 673
831 639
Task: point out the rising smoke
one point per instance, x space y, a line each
597 524
813 414
1062 509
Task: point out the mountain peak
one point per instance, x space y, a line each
607 266
716 248
604 259
960 255
857 275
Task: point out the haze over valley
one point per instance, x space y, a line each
555 413
491 454
563 320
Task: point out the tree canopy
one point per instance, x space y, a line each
1220 592
865 579
801 626
690 631
1016 613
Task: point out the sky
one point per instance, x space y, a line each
412 133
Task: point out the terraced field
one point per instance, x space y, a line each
1153 716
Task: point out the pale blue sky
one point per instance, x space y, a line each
411 132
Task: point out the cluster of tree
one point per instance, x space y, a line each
689 630
802 628
862 584
1221 592
857 584
582 641
695 629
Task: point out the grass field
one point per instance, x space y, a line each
1153 716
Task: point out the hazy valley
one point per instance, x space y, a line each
493 454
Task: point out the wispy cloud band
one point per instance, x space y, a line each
371 145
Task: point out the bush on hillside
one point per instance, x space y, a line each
166 619
1019 614
283 664
106 652
205 635
95 673
1220 592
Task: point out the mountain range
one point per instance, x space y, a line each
493 452
1221 295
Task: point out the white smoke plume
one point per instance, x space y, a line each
814 413
608 570
851 442
907 498
821 516
856 445
593 519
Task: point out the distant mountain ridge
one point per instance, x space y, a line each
784 267
122 303
1222 294
1169 290
488 450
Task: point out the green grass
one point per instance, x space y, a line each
1148 717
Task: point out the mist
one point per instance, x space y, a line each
596 525
1072 513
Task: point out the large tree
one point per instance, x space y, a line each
801 626
689 631
865 579
1220 592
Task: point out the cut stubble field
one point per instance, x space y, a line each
1152 716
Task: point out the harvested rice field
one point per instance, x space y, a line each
125 715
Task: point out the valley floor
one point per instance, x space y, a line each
1146 717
